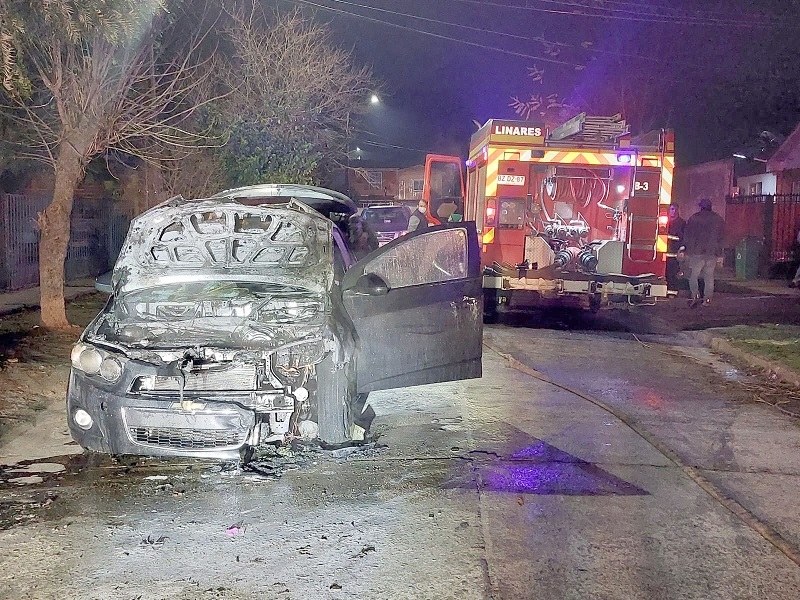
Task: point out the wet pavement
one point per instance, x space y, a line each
544 479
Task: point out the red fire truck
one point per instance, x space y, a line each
576 216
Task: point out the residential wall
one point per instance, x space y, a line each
788 181
411 183
713 180
363 184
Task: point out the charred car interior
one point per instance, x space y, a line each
243 319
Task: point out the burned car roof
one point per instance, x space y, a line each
322 200
182 241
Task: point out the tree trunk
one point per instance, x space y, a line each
54 229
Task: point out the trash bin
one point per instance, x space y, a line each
748 251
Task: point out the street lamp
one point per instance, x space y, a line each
374 99
753 158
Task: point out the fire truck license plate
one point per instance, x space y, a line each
511 179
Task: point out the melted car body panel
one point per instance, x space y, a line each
204 240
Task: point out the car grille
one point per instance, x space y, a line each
242 377
200 429
186 439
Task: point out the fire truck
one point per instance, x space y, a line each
576 216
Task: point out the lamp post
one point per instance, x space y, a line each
753 158
374 100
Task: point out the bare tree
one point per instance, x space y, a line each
289 79
96 94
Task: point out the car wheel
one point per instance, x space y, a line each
336 393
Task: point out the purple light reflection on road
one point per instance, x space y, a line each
569 479
523 464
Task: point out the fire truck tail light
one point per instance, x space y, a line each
663 221
491 213
624 159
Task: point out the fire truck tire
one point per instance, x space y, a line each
595 302
490 306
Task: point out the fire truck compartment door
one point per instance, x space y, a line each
416 307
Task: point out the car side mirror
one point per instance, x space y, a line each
371 285
102 283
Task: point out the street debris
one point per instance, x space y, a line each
154 542
272 462
364 551
25 509
236 529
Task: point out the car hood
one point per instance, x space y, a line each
183 241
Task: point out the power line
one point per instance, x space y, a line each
393 146
644 9
443 37
485 31
666 20
538 39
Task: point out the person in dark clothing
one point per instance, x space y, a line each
362 239
703 238
674 244
418 219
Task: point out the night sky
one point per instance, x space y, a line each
718 72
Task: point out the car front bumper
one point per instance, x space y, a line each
123 423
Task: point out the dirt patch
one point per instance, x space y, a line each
34 362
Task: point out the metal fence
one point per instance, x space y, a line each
775 219
97 233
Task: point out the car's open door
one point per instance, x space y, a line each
417 309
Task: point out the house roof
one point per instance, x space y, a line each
788 155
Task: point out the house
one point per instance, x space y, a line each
385 185
785 165
765 202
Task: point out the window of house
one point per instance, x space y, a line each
796 187
375 178
416 185
755 188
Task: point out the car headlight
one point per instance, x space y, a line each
94 361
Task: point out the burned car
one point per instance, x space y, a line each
243 319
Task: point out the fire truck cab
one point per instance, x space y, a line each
576 216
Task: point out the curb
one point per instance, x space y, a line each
722 345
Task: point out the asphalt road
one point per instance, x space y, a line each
584 464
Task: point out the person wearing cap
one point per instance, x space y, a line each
702 240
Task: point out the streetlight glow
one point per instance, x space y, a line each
374 99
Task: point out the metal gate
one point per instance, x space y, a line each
775 219
21 238
98 230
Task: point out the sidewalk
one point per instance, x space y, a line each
12 301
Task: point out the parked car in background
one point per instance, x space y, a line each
388 222
244 319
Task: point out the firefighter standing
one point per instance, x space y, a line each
703 239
